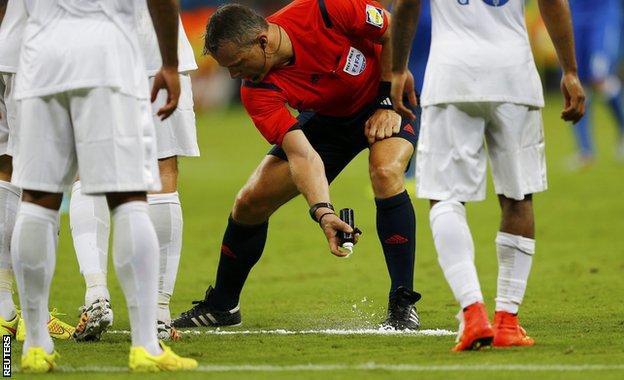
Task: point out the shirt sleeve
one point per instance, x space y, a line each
267 108
359 18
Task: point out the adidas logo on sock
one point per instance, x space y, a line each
396 239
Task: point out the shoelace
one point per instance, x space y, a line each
195 308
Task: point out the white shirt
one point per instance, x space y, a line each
11 32
149 44
480 52
72 44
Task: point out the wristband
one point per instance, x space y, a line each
317 206
320 219
383 96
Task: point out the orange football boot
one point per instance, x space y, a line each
475 329
508 332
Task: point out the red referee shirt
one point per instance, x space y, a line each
336 69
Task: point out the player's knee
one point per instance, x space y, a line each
250 207
386 177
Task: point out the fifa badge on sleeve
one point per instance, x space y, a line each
374 16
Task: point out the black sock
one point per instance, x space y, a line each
241 249
396 227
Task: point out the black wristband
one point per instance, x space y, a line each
320 219
384 101
317 206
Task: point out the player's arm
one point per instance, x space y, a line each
308 174
405 15
165 15
266 105
3 5
385 121
558 21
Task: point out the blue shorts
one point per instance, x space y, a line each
339 139
597 47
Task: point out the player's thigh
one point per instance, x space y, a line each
451 158
515 140
115 141
176 135
268 188
46 156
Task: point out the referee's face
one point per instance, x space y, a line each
244 62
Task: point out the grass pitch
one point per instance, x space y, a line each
573 306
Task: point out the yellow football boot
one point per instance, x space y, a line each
142 361
57 328
9 327
36 360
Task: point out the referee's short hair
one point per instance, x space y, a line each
234 23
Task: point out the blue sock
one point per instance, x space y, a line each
241 249
582 132
615 104
396 227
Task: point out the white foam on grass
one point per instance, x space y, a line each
392 332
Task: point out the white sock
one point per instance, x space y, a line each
9 202
33 250
453 242
89 220
135 254
515 255
166 214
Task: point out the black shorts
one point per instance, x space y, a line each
339 139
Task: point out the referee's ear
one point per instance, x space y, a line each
264 41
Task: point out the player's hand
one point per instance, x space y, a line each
331 224
403 84
383 124
169 79
574 95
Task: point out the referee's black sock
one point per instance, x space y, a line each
396 227
241 249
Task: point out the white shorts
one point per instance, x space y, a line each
451 158
103 135
177 135
8 114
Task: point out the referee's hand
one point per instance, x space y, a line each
403 84
574 97
331 224
169 79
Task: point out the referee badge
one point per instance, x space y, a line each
374 16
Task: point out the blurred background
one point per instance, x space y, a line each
598 29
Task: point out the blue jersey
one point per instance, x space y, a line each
597 30
420 47
592 12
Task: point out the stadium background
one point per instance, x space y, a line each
573 305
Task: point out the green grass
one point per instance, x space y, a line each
573 306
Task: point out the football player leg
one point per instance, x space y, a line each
269 187
396 227
516 149
165 212
89 219
515 247
448 183
9 201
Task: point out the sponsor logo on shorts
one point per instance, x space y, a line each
374 16
356 62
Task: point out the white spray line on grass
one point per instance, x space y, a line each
376 366
431 332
